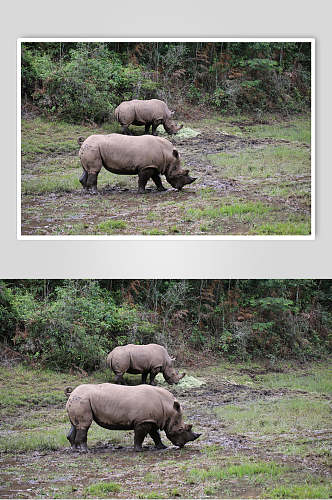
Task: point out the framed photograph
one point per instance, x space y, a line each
166 139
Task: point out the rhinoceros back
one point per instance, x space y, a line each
138 358
126 154
141 111
120 407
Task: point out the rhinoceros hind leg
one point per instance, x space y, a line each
91 183
154 433
144 377
147 128
71 436
84 178
81 439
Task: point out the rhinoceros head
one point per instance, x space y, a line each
178 432
175 175
171 127
171 375
182 435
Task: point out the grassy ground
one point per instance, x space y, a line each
266 433
252 179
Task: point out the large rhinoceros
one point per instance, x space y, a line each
151 112
143 408
144 359
145 156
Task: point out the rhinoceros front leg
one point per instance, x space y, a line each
153 374
154 128
144 175
154 433
157 180
144 377
147 128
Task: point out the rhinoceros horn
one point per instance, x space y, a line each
181 376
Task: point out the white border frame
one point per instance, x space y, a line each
169 237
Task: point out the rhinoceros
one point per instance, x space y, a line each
146 156
144 359
143 408
151 112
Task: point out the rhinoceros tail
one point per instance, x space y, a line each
80 140
68 391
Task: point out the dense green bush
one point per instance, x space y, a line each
87 85
8 313
76 326
86 81
68 323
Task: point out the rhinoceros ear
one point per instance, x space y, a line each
189 427
176 406
175 153
186 172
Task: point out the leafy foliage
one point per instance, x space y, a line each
87 85
74 327
85 81
74 323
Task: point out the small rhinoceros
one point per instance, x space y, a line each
144 359
145 156
143 408
151 112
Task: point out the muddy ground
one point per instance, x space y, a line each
172 473
275 199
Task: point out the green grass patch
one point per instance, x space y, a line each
315 378
45 136
64 183
282 228
289 189
236 209
46 438
300 491
248 469
34 388
297 130
153 232
110 226
58 179
270 161
276 417
102 489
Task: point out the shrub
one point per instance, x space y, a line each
85 86
8 313
77 327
